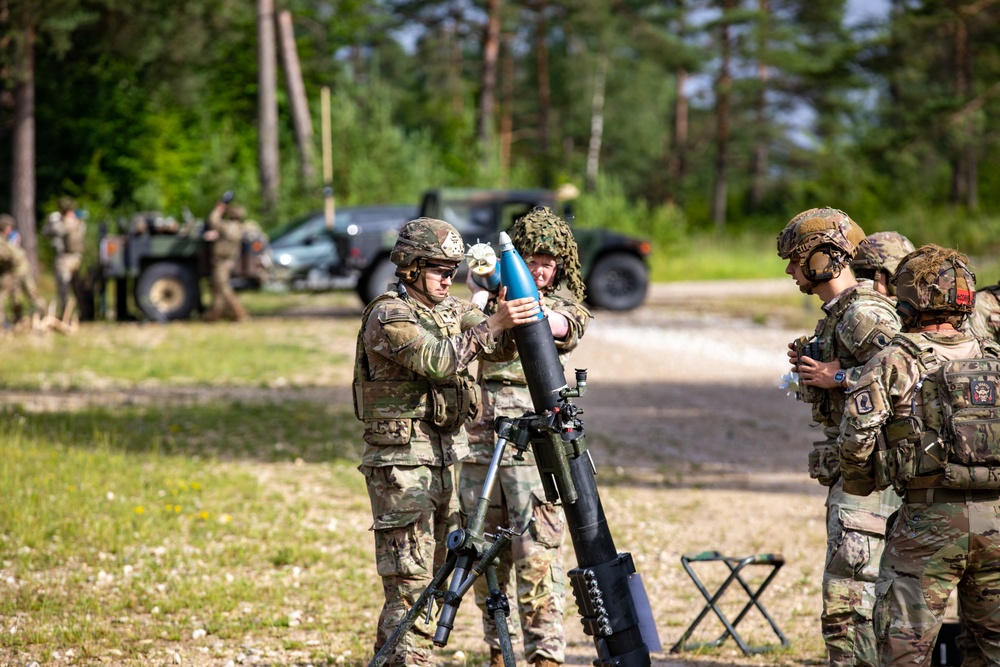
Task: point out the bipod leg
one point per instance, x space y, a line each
407 622
499 608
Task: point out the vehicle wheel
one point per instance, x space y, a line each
374 281
166 291
618 282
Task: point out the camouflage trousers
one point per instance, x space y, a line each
932 549
16 289
855 540
534 557
67 267
225 304
414 508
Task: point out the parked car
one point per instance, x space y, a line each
305 255
614 265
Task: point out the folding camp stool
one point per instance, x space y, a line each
735 565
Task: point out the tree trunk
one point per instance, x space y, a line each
488 85
544 94
297 99
722 89
596 122
677 160
267 111
22 190
758 166
507 111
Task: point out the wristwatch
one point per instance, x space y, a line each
840 376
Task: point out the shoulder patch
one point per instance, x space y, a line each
396 312
863 402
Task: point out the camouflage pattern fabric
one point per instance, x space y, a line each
932 548
534 557
985 319
225 251
16 281
413 508
517 497
68 234
859 323
855 540
881 252
408 462
505 392
401 340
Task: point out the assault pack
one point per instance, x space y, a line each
959 434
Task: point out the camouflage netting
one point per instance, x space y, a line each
542 231
936 278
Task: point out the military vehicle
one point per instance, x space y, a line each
614 265
157 265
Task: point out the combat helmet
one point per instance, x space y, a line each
822 241
881 252
542 231
425 241
934 279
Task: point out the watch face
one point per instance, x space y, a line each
839 376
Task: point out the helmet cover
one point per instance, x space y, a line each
821 241
542 231
427 239
933 278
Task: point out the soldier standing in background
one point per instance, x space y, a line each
225 232
68 233
15 274
414 393
877 258
819 245
546 243
906 424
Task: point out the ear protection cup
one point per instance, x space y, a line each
824 263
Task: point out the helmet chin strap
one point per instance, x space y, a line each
419 285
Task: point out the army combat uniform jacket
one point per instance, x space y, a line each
505 391
946 535
412 386
985 320
859 322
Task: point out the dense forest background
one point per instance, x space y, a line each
715 117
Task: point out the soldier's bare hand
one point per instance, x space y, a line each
817 373
512 313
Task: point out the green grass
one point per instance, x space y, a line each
119 529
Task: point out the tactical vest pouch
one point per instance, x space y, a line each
391 399
971 477
824 463
384 432
455 401
968 391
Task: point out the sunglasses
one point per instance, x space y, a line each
443 272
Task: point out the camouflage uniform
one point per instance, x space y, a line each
414 392
946 535
518 495
68 233
228 222
859 322
985 320
880 255
16 280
